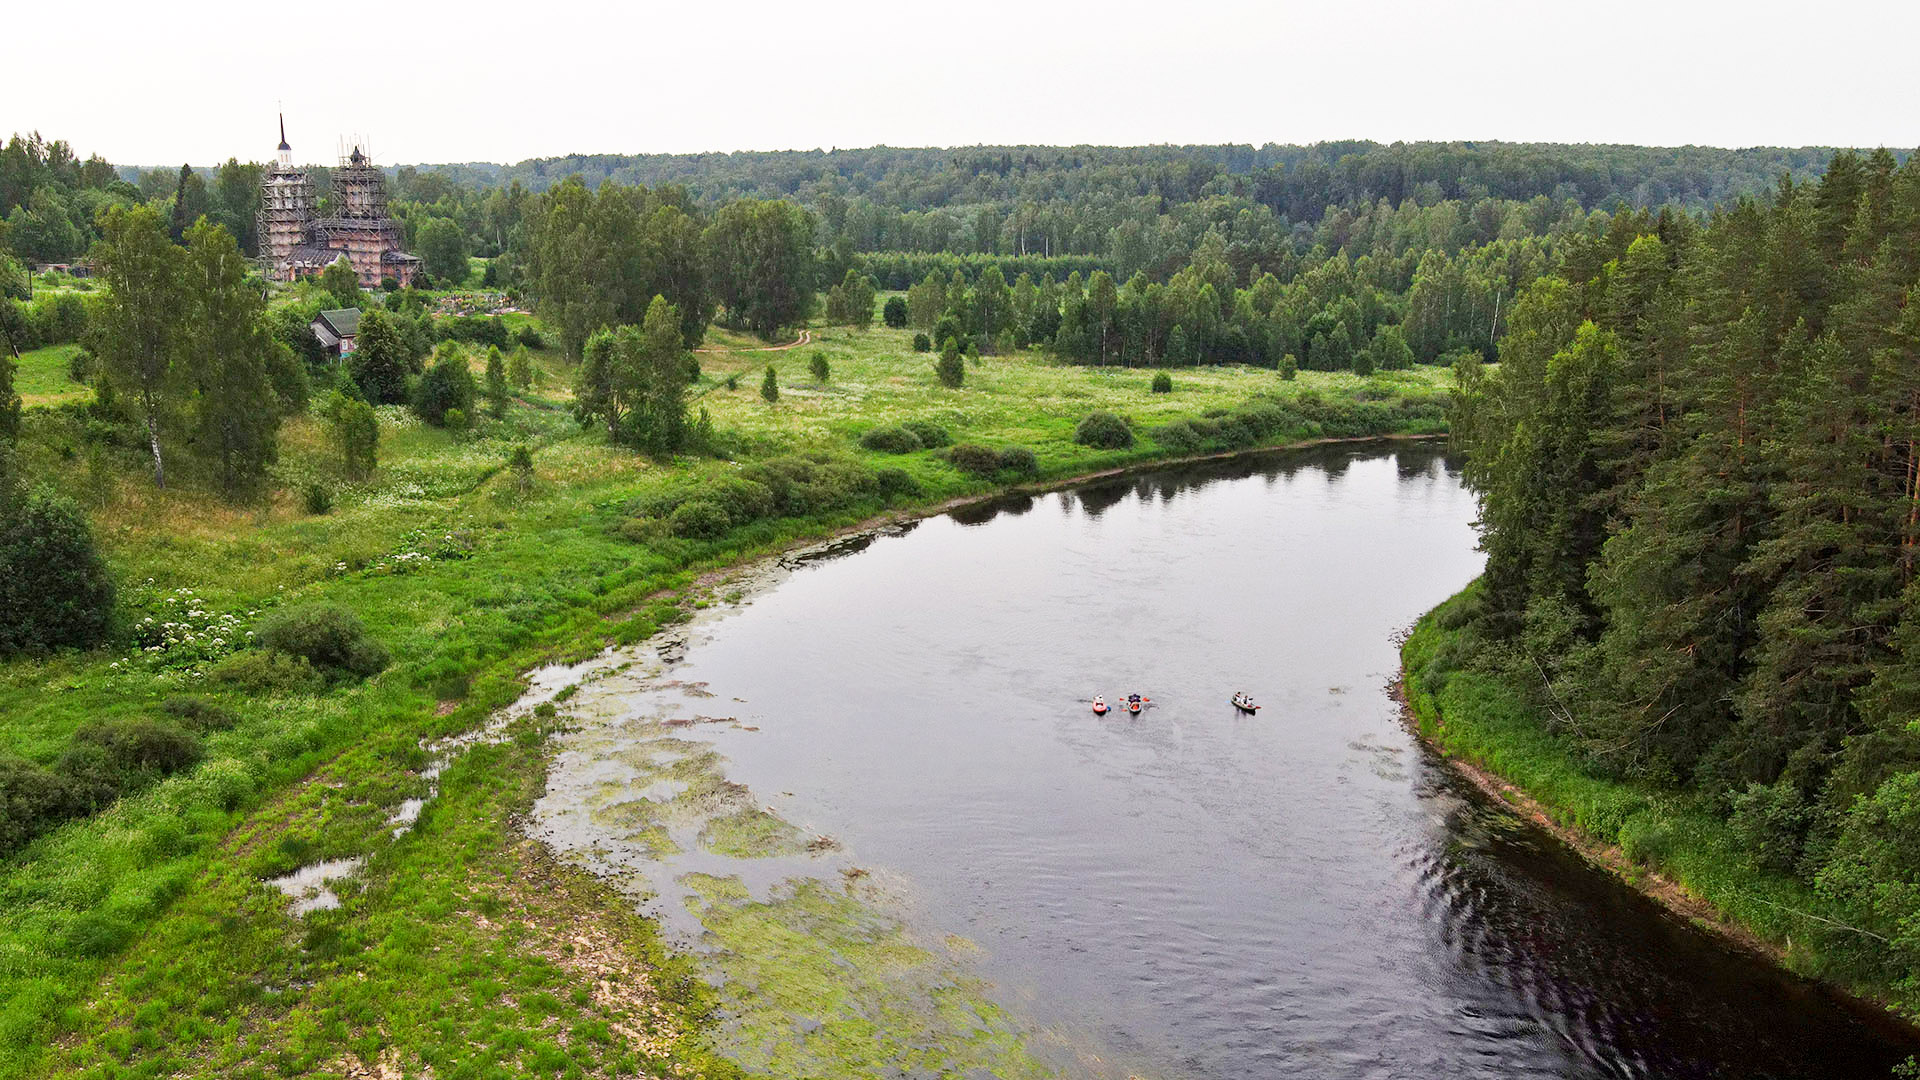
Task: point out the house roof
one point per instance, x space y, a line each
313 255
340 322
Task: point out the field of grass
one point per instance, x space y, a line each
41 377
1481 717
143 941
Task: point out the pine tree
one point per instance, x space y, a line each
520 370
498 393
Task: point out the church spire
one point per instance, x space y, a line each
283 132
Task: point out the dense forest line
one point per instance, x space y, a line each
1699 464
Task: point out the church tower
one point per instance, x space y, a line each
286 204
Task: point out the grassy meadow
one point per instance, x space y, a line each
143 941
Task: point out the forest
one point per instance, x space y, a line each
1699 467
1685 384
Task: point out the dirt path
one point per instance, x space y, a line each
806 336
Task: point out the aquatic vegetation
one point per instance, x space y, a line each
816 981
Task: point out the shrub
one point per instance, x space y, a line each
894 482
287 374
318 498
1162 383
1020 460
328 636
81 366
446 387
818 365
894 313
520 464
922 343
354 430
259 672
698 519
770 386
529 338
950 369
32 800
520 369
1178 436
454 420
106 759
733 381
809 485
974 459
928 433
54 587
1103 431
499 394
199 714
1289 367
891 440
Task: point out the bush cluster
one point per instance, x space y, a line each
446 388
56 318
931 435
479 330
303 650
1306 416
893 439
54 587
1162 383
103 761
793 486
1103 431
328 636
977 460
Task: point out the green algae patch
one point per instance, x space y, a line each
752 833
818 981
813 967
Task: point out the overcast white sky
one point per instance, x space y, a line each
476 80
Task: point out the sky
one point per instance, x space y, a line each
199 82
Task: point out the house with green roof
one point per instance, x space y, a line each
336 329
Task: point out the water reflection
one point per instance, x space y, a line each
1194 892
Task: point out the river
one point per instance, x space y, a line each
1191 892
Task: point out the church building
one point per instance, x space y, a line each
296 242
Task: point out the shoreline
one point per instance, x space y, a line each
906 515
1647 881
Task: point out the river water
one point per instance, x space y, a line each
1193 892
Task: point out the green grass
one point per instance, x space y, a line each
141 942
41 377
1481 717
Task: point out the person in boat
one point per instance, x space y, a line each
1133 698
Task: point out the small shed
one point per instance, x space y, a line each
336 329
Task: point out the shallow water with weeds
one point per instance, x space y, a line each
873 801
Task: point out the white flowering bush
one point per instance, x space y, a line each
175 628
396 417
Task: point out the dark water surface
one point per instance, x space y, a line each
1197 893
